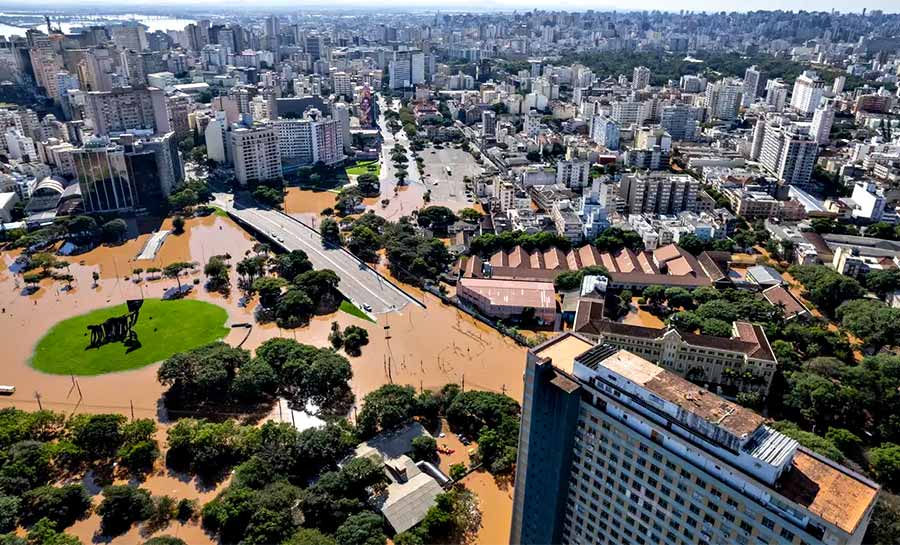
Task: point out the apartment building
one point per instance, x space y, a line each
312 139
659 193
723 99
614 449
255 154
808 91
788 152
573 173
744 363
126 109
605 131
681 121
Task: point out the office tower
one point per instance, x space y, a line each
133 66
616 450
130 35
808 91
754 84
341 113
125 109
103 175
640 78
681 121
342 85
407 68
659 193
605 132
272 30
255 154
788 153
723 99
823 119
197 36
488 124
310 140
776 94
314 47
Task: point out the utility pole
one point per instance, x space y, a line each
131 403
37 396
464 382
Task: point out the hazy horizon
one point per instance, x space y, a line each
174 6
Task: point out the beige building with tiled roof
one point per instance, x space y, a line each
744 362
667 265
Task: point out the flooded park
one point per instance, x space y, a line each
422 347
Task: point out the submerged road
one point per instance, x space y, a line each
362 285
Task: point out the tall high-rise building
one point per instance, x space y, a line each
807 93
605 131
640 78
129 35
723 99
788 152
272 30
488 124
616 450
342 85
179 106
681 121
126 109
754 84
341 113
255 154
823 119
312 139
407 68
315 47
776 94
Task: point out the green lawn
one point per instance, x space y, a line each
363 167
352 310
163 328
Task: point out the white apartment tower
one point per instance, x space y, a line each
256 156
640 78
808 91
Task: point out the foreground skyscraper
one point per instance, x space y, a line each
616 450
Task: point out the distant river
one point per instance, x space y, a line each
153 22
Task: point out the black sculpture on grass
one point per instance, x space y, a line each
117 328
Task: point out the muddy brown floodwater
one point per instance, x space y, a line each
422 347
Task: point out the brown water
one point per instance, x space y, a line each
422 347
306 204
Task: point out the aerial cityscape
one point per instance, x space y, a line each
449 274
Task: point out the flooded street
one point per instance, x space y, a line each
421 347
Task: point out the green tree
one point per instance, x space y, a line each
885 461
114 230
174 270
877 324
178 225
9 513
98 436
122 506
62 505
424 448
308 536
882 281
364 243
269 290
330 230
291 264
354 338
385 408
457 471
361 529
825 287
